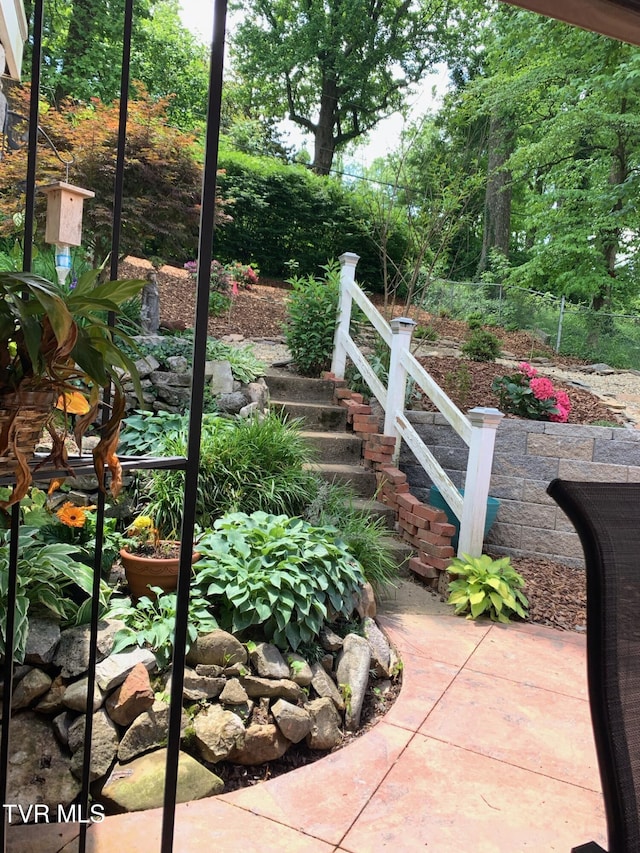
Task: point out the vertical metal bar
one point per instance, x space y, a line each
8 667
207 222
91 674
122 138
32 155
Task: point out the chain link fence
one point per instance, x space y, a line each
570 329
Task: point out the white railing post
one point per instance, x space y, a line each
401 331
348 263
484 423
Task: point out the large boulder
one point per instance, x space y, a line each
218 733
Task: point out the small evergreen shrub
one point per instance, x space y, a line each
311 320
481 346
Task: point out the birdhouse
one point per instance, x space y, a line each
64 213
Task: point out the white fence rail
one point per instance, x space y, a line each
477 428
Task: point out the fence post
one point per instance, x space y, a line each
401 331
484 423
560 319
348 263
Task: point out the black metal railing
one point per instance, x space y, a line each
189 463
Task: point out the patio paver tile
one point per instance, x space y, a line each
549 659
532 728
210 824
442 798
444 638
423 683
324 798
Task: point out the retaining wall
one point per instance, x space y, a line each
528 455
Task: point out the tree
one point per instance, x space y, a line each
337 67
82 52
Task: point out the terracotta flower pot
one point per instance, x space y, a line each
143 571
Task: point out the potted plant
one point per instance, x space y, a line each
60 352
149 560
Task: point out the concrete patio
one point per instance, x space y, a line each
487 749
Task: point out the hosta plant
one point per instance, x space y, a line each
483 585
281 577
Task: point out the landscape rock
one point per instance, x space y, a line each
352 670
51 702
178 364
218 733
104 745
148 731
34 684
281 689
72 654
325 687
380 649
139 784
61 725
113 670
325 725
131 698
42 640
38 771
232 403
329 640
268 662
221 377
366 602
261 743
76 694
294 722
299 669
197 688
217 647
234 693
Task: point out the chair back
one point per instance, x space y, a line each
606 517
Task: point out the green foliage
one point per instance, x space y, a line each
218 303
311 320
51 582
245 464
363 533
475 320
425 333
279 573
458 383
483 585
143 432
481 346
289 221
151 623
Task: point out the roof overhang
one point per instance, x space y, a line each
619 19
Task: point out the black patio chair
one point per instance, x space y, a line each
606 517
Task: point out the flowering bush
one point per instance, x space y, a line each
531 396
225 277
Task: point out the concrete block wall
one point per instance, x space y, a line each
528 455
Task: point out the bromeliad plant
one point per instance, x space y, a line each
531 396
278 574
483 585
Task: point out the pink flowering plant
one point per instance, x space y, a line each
228 277
531 396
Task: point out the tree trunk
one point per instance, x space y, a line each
497 205
324 137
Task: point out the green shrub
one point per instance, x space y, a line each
50 582
280 574
481 346
311 320
218 303
364 534
475 320
144 432
152 623
245 465
483 585
425 333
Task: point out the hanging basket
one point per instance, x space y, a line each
22 417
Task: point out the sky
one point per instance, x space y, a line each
197 16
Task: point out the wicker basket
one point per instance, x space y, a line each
22 418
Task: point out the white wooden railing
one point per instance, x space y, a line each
477 428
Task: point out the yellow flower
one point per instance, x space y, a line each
72 515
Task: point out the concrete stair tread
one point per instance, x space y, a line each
313 405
